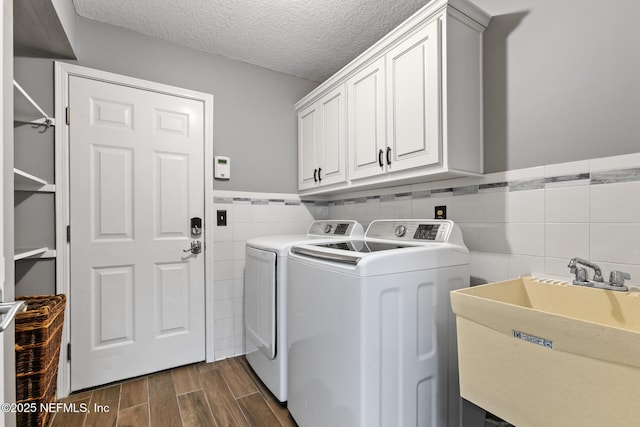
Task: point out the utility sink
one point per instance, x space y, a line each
539 352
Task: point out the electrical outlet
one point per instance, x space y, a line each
222 218
440 212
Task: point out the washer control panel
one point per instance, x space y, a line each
410 230
335 228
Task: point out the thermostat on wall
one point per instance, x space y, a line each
222 167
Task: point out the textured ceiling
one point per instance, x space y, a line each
306 38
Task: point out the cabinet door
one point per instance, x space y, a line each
413 93
366 120
331 136
307 142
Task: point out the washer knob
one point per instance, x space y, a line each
401 230
328 229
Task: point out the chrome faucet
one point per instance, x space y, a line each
616 279
597 275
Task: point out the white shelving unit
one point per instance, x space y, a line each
43 253
44 121
24 181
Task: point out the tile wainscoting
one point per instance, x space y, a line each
527 220
514 222
248 215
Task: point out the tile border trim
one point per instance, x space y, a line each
588 178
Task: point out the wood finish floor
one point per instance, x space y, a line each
224 393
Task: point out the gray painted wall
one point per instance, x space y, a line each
561 81
254 119
254 123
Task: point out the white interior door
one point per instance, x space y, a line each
136 178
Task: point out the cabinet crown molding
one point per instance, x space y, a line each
395 114
430 11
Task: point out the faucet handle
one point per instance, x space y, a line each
581 274
617 278
573 268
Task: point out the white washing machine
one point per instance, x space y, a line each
372 338
265 293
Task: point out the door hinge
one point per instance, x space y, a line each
69 352
68 234
68 115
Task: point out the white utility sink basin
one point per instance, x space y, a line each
548 353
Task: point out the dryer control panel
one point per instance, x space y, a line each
410 230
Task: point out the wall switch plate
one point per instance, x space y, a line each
440 212
222 218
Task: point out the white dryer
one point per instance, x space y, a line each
372 338
265 293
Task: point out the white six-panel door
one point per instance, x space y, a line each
136 178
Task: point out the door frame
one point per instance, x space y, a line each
63 261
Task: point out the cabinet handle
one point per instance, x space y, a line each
319 176
389 156
315 175
380 158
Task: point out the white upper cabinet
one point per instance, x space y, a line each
366 120
332 137
307 141
413 107
321 141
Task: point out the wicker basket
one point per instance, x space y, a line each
38 339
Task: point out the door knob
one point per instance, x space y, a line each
196 247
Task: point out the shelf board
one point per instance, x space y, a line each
24 120
33 103
24 181
39 31
43 252
24 178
